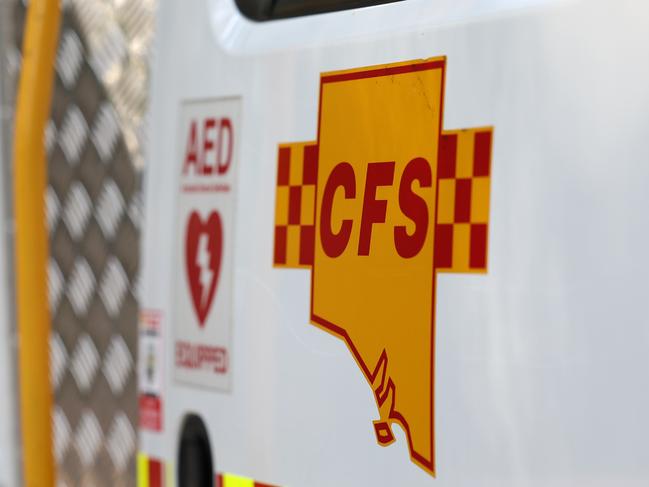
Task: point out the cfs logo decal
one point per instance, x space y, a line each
376 207
203 257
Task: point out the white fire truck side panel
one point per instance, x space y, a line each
8 415
540 365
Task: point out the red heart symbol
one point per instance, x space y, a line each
203 249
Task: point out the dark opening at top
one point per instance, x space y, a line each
277 9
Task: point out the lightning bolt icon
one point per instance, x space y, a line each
203 256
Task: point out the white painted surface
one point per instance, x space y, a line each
9 447
543 363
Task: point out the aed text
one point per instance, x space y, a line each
209 147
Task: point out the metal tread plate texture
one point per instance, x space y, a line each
93 201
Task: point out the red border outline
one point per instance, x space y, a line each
427 464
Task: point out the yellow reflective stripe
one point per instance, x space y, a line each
142 470
230 480
170 475
30 179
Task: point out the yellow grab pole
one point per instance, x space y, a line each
31 245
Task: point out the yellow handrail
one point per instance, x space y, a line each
31 244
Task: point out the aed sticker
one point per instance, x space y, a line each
207 165
151 365
375 207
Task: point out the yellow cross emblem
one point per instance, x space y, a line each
376 207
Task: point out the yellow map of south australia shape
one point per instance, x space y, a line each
380 203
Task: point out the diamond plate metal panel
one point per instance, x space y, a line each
94 211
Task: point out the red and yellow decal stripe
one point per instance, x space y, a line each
152 472
231 480
294 206
463 200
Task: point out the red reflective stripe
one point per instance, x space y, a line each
283 165
481 153
307 244
462 200
280 245
444 245
478 258
310 164
447 156
294 205
155 473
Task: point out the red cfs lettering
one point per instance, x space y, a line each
374 210
209 147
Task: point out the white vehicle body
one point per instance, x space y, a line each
8 425
541 364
